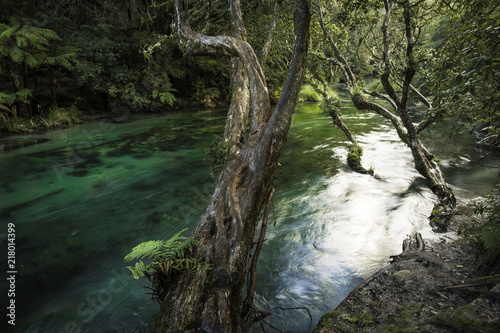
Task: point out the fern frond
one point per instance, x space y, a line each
10 98
31 38
46 33
167 98
16 55
31 60
23 95
166 256
7 31
3 107
3 28
22 41
50 61
3 97
175 72
149 249
65 63
491 241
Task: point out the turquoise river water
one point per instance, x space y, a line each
80 198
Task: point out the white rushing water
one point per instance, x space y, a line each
341 229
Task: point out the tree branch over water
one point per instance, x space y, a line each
424 161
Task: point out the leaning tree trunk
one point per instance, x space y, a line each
423 160
211 299
407 131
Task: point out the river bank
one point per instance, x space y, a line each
439 288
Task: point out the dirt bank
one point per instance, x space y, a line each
438 287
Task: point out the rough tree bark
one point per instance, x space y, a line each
211 299
425 162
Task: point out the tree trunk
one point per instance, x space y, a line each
407 131
423 160
211 298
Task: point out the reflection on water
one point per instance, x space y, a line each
336 231
82 197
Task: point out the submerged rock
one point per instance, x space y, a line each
16 143
143 145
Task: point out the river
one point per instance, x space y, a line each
81 197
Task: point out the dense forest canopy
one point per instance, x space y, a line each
61 60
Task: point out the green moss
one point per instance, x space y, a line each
440 217
339 321
465 319
166 313
435 160
354 160
216 156
405 321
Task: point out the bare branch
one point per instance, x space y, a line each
343 64
384 78
382 96
421 97
253 267
272 28
429 118
361 103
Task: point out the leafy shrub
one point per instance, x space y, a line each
309 94
485 230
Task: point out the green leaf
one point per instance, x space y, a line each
24 95
10 98
167 98
155 93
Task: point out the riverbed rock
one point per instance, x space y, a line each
12 143
402 274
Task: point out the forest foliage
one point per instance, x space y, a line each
81 57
